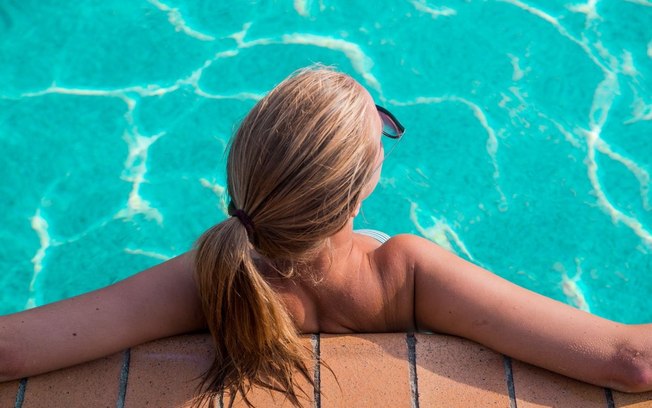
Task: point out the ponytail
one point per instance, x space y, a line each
256 342
299 163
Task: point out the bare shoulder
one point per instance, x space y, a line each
401 242
391 256
407 249
399 255
394 262
402 263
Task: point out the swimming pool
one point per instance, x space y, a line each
527 148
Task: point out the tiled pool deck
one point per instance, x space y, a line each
373 370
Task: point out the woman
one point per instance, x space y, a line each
289 262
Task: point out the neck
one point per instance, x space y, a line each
342 239
337 250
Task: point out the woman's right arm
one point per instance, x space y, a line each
158 302
457 297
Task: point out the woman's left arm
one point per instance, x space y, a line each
457 297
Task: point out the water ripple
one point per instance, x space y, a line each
492 141
40 226
179 23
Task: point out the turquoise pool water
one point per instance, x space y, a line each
528 145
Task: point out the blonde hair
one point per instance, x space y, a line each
297 168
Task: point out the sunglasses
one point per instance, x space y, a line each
392 128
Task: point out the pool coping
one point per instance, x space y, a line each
385 369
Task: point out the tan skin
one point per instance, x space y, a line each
406 284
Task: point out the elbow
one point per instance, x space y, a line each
11 365
632 369
635 379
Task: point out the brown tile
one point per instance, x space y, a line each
165 373
8 391
93 384
265 398
454 372
536 387
640 400
372 371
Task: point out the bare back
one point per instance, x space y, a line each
368 290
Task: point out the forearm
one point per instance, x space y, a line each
454 296
552 335
43 339
159 302
589 349
560 339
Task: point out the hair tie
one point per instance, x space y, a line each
243 218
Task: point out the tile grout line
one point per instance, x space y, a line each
610 398
509 378
316 346
412 364
124 378
20 394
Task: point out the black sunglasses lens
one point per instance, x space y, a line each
390 128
